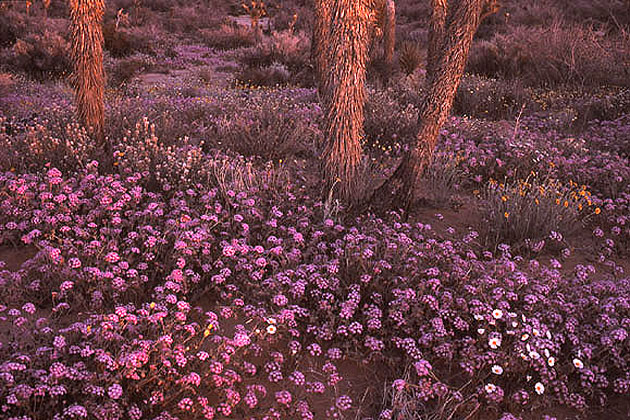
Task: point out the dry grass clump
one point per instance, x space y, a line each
410 57
228 36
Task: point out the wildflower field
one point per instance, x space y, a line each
200 270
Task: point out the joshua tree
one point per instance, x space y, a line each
453 25
389 33
256 11
341 37
87 54
46 7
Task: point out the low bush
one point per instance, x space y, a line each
490 98
534 209
271 134
124 70
282 58
41 56
8 31
390 122
228 37
602 107
27 146
122 42
273 75
553 55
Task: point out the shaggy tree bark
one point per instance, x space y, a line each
342 38
87 54
453 25
320 39
389 33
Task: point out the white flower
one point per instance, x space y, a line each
551 361
534 355
494 343
497 314
271 329
524 337
578 363
497 370
546 353
539 388
490 388
548 335
514 324
536 332
271 320
528 377
512 314
481 331
478 317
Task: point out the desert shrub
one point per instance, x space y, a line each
410 11
390 122
273 75
164 166
270 133
124 70
534 209
121 42
282 58
61 143
613 12
289 48
602 107
228 36
41 56
187 19
8 32
553 55
490 98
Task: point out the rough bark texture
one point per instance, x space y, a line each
321 38
436 33
342 51
87 54
453 25
389 33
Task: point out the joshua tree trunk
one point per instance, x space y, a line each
87 54
342 38
320 40
436 33
389 33
453 25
